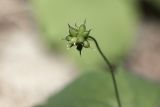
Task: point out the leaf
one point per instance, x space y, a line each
95 89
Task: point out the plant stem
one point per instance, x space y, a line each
111 70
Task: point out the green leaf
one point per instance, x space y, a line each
95 89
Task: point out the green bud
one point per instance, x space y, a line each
78 37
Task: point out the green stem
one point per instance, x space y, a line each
111 70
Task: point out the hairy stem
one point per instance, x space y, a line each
111 70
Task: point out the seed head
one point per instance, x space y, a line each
78 36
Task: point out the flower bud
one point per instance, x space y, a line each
78 37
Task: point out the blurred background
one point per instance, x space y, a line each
38 70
